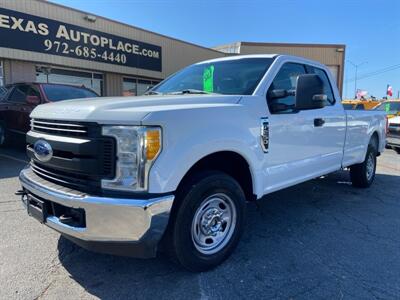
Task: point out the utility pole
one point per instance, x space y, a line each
355 77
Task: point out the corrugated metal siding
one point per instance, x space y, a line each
19 71
113 84
326 55
175 54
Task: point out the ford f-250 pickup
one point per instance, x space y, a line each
175 168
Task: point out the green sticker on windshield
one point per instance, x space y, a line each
387 107
208 79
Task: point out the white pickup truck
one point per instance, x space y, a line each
174 168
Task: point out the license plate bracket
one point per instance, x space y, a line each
37 209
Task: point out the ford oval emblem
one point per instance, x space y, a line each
42 150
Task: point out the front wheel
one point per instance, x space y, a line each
209 221
362 175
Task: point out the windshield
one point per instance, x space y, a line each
229 77
391 108
63 92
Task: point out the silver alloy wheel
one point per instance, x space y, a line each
370 166
214 223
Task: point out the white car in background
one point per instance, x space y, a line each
393 135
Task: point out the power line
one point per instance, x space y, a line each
375 73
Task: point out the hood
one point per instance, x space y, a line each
126 110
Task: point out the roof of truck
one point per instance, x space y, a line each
300 59
235 57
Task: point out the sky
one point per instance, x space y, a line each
369 29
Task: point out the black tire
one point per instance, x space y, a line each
360 173
184 230
397 149
3 135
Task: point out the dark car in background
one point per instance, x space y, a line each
18 100
3 92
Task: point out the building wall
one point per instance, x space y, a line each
326 54
19 71
175 53
19 65
113 84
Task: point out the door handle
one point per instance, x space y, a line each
319 122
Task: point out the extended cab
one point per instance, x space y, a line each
18 100
174 168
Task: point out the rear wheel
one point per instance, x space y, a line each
362 175
397 149
209 221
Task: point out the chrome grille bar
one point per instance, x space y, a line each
56 124
58 127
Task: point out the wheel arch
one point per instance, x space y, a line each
229 162
375 139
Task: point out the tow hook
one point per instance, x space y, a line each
24 196
20 193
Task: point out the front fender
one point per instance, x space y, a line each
191 139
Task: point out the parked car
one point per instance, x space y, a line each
390 107
3 92
393 136
174 169
20 99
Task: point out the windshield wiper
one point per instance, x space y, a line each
189 91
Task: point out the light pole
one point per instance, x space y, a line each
355 77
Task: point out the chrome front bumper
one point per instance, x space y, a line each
117 222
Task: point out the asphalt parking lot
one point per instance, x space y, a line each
321 239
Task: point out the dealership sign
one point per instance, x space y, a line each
32 33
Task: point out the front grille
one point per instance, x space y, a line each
79 182
79 164
64 128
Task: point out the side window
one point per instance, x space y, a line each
34 91
19 94
285 80
327 85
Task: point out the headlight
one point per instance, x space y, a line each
137 148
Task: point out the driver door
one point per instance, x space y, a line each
296 140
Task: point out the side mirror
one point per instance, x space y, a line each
310 92
33 100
